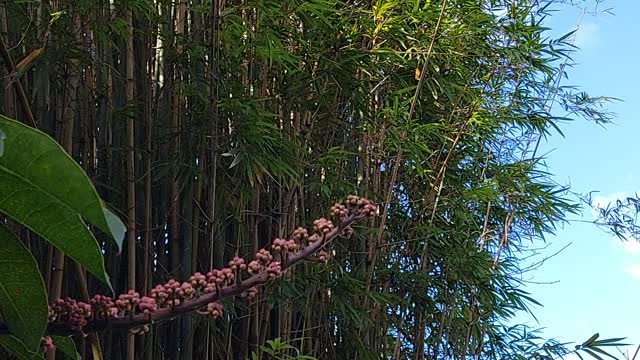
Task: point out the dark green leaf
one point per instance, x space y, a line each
600 351
590 340
66 345
593 354
609 342
1 142
23 297
17 347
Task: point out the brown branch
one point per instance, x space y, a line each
11 69
192 305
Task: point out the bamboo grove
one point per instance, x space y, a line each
215 126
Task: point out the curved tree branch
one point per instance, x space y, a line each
316 243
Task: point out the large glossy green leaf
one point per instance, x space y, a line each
66 345
17 347
42 163
52 220
23 297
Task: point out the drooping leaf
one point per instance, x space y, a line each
23 297
593 354
115 224
29 59
50 219
42 163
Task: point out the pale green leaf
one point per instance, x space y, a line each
50 219
39 160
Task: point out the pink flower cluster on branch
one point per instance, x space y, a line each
201 293
46 344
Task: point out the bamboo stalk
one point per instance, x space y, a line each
131 180
9 99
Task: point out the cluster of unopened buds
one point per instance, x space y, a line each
250 293
46 344
72 312
362 205
322 226
285 245
323 256
77 314
214 309
131 303
262 259
300 235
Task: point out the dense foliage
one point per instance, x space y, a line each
216 126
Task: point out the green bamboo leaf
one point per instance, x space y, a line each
590 340
598 350
609 342
23 297
13 345
593 354
56 15
66 345
42 163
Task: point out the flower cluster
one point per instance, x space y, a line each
46 344
72 312
300 235
360 205
250 293
290 245
323 256
237 263
214 309
103 307
262 259
131 303
271 261
322 226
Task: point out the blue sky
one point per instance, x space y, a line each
597 278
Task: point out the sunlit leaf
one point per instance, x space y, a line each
47 167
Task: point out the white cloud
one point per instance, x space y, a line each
603 201
633 270
632 247
588 35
